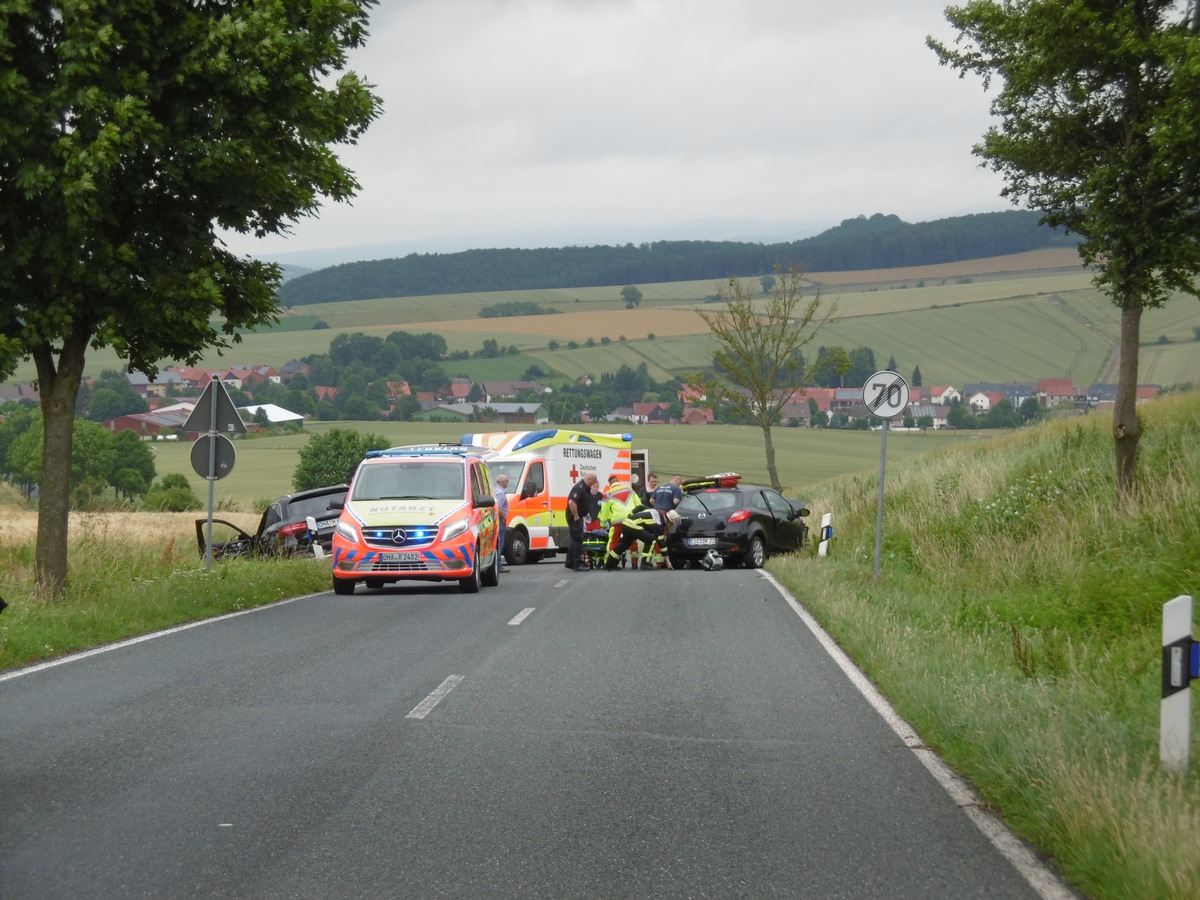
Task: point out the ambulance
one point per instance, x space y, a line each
542 467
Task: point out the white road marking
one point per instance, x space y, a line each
521 616
562 582
422 709
1044 881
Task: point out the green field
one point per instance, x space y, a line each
1014 326
805 457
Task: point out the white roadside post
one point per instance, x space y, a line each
826 534
1180 664
886 396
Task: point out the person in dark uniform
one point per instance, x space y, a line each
579 506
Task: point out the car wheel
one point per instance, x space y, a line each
343 586
491 577
375 583
756 555
517 551
470 584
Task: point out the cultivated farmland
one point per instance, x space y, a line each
1013 318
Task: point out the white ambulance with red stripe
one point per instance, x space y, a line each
542 466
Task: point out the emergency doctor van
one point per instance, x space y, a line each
542 466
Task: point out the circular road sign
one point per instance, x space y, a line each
225 456
886 395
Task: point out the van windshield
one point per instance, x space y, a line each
419 480
512 468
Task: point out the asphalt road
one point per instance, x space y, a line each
633 734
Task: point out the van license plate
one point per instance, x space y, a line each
399 557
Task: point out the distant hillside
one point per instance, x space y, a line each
290 271
878 242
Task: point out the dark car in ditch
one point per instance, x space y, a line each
283 529
743 523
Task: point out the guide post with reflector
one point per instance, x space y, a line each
1180 666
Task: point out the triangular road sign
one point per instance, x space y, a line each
215 396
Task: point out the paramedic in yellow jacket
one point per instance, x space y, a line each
619 502
654 556
643 525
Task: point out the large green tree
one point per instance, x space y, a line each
133 133
331 458
1099 109
758 350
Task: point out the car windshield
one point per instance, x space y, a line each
713 502
418 480
303 507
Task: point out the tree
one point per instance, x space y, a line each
332 457
916 376
89 461
131 134
172 493
1030 410
832 365
133 467
758 350
768 283
1099 112
863 366
632 296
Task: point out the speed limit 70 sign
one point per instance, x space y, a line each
886 395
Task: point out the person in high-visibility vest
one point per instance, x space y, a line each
619 502
643 525
654 555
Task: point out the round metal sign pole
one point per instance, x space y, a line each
886 396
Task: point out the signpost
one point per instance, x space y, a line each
886 396
213 454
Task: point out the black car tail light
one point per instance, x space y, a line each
740 516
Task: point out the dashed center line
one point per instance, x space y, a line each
521 616
422 709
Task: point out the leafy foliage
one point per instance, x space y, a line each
759 348
172 494
1099 112
331 458
129 134
505 310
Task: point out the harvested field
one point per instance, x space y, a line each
145 528
1031 261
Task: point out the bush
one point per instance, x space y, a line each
171 493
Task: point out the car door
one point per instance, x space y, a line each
789 531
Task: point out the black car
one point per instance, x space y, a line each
283 528
743 523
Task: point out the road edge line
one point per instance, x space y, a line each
1017 851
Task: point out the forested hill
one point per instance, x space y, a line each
878 242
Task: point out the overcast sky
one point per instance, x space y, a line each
533 123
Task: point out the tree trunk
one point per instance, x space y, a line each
771 458
58 387
1127 430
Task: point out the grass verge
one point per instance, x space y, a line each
126 581
1016 624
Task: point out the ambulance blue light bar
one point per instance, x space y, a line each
428 450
